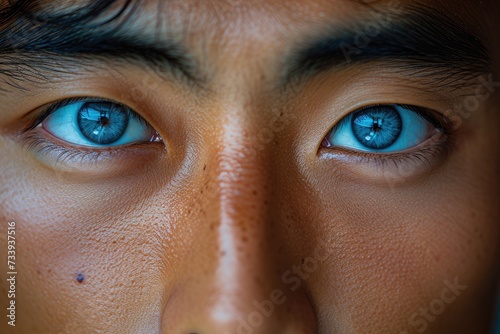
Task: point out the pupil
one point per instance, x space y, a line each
104 121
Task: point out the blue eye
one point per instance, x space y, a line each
97 124
382 129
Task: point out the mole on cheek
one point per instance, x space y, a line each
80 277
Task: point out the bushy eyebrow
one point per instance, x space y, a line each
420 40
31 45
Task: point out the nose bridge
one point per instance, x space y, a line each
241 290
246 254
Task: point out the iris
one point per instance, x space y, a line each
97 123
102 122
377 127
382 129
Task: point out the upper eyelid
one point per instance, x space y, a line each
436 118
52 107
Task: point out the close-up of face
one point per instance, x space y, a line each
249 166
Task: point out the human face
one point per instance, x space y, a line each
234 207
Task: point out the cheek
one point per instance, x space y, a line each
86 254
395 247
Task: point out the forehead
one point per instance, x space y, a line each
252 40
226 18
252 17
264 30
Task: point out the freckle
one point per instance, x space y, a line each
244 239
473 214
38 271
437 258
114 241
80 277
254 192
50 270
469 241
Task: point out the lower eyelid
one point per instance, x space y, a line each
87 160
388 167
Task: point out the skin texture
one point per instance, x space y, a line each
193 234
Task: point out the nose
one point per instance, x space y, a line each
232 279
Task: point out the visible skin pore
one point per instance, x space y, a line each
189 239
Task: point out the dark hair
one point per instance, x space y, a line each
32 9
29 25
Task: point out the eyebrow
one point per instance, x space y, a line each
422 42
31 47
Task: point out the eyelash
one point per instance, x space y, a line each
40 145
381 161
60 104
423 155
43 147
436 119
